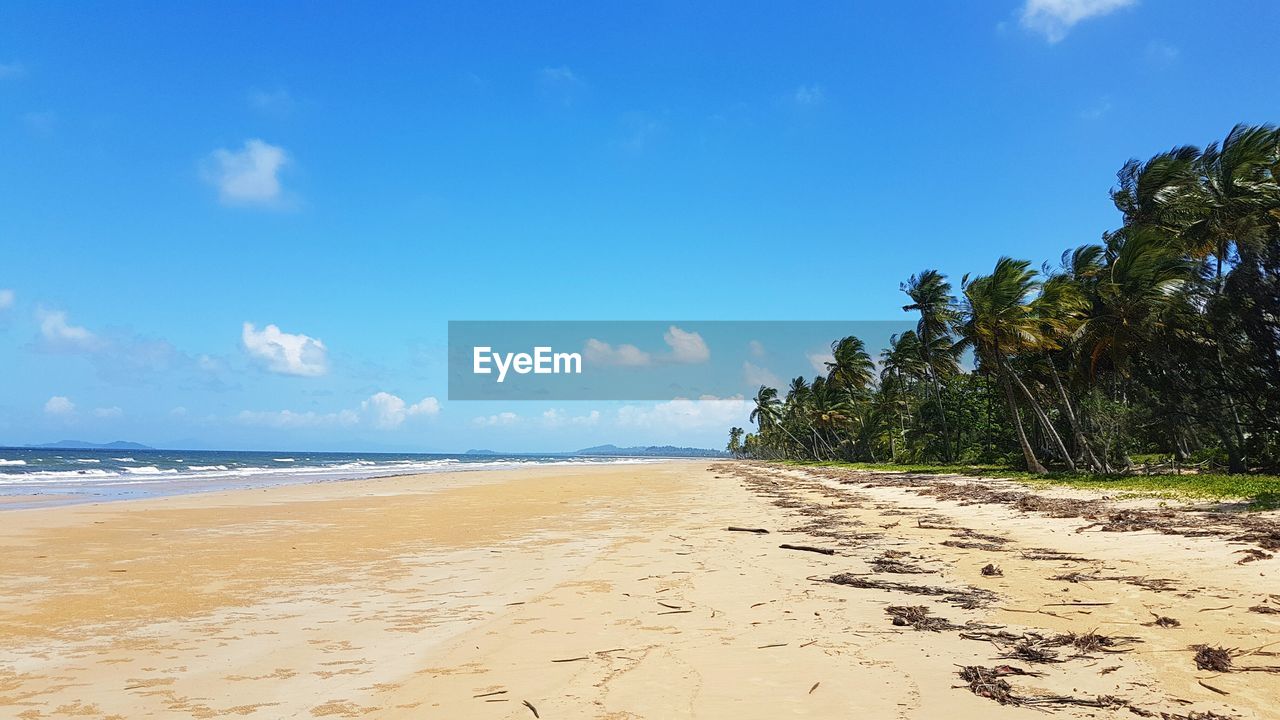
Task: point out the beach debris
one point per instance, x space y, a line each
1252 555
1264 610
966 545
771 645
918 617
1162 621
490 694
887 563
967 597
808 548
968 534
1261 531
1153 584
1217 659
1051 554
1218 690
572 659
1036 647
532 709
989 682
1092 641
1220 659
1193 715
992 570
668 605
815 687
758 531
1031 651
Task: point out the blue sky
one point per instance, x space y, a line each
354 179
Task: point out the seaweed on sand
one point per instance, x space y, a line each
1217 659
967 597
918 617
887 563
989 682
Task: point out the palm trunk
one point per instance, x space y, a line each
942 416
1083 442
1033 465
1044 420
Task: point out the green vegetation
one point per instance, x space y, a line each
1161 342
1262 491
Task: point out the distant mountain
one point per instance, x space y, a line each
650 451
480 452
82 445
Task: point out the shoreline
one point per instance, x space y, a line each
612 592
14 495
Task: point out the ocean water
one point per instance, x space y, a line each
30 477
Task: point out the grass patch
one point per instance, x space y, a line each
1263 491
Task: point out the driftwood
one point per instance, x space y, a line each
758 531
808 548
532 709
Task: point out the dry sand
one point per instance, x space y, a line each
609 592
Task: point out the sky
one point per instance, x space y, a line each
245 226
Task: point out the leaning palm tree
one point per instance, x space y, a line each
767 415
851 369
1000 320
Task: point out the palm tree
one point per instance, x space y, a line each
851 369
999 320
930 295
902 366
735 442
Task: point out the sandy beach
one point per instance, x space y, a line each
619 592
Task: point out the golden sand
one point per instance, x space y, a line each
588 592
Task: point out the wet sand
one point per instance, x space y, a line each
613 592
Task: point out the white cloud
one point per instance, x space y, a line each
7 298
178 411
1055 18
59 406
602 353
706 413
286 353
686 347
290 419
389 411
58 333
249 176
503 418
108 412
559 418
755 376
809 95
756 348
819 360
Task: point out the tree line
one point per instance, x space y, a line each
1162 338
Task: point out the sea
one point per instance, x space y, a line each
32 477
